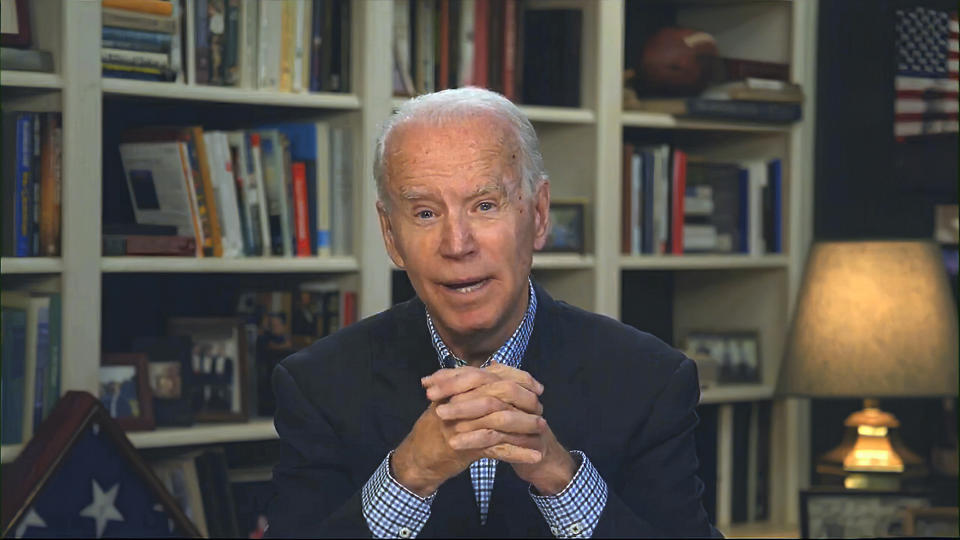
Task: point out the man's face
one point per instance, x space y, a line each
461 223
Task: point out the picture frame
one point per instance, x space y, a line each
218 365
941 521
125 390
725 357
566 234
843 513
170 376
15 23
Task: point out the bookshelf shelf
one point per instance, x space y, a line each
735 392
31 265
255 430
30 79
668 121
562 261
9 452
251 265
702 262
125 87
539 114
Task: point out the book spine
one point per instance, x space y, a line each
138 21
204 238
296 77
737 69
625 199
744 217
306 44
135 58
638 165
467 36
269 36
300 210
14 358
316 41
188 174
155 7
256 156
510 50
323 170
43 363
35 167
233 46
209 195
481 45
133 244
678 188
22 193
52 391
286 46
201 38
176 43
216 34
326 47
444 57
153 41
648 201
775 177
349 308
311 181
289 224
121 72
744 110
50 187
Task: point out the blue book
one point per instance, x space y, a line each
131 45
52 393
23 192
159 41
13 376
775 185
744 228
646 213
43 363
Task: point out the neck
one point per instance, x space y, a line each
476 347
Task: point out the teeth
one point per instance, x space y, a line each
469 288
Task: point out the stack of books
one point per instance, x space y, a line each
676 204
32 151
141 40
281 189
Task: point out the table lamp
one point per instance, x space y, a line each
874 319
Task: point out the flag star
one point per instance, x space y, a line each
103 508
32 519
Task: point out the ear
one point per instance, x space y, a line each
541 214
386 228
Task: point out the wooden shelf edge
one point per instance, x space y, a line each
30 79
172 90
702 262
562 261
667 121
250 265
31 265
256 430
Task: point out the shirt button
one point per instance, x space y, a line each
555 531
575 528
404 532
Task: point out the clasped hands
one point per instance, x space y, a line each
474 413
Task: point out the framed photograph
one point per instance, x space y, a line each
947 224
856 514
942 521
566 228
14 23
727 357
125 390
218 361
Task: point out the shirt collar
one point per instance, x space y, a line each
510 353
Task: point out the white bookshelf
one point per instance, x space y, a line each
9 452
582 149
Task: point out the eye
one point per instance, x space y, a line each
425 214
485 206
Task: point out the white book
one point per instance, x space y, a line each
341 158
636 193
270 36
224 185
247 43
307 43
465 77
246 192
32 306
159 187
275 180
176 43
403 80
298 45
661 183
191 50
323 171
757 172
426 56
256 160
136 58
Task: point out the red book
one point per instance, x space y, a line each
481 45
443 81
679 186
510 50
301 214
349 314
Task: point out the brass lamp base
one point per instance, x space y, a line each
871 455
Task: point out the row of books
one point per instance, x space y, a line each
32 150
673 203
221 501
529 55
280 45
30 378
281 189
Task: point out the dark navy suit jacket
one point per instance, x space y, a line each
621 396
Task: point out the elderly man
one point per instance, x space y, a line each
551 421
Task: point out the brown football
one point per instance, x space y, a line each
676 61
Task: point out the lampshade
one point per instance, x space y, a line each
873 319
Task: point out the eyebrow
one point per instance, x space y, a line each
416 193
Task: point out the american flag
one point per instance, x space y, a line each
926 80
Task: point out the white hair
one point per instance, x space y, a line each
456 104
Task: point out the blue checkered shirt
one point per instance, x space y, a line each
393 511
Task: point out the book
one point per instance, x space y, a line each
159 186
287 45
232 45
317 38
509 61
466 36
721 181
125 71
26 59
757 174
36 310
402 81
340 67
341 190
247 193
224 186
125 244
301 29
773 207
627 197
23 194
179 475
252 491
753 89
275 180
495 47
216 38
137 40
249 25
136 20
551 61
443 40
52 390
41 380
425 49
678 176
124 57
753 111
138 229
269 42
155 7
481 44
35 163
201 42
734 69
256 160
300 211
13 376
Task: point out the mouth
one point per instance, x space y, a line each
466 286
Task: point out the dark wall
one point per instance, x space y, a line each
867 184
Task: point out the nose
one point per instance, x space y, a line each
457 239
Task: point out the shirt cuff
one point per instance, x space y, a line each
575 511
392 510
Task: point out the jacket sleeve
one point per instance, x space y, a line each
315 494
658 493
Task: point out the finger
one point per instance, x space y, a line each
507 391
519 376
469 409
506 421
485 438
462 380
513 454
